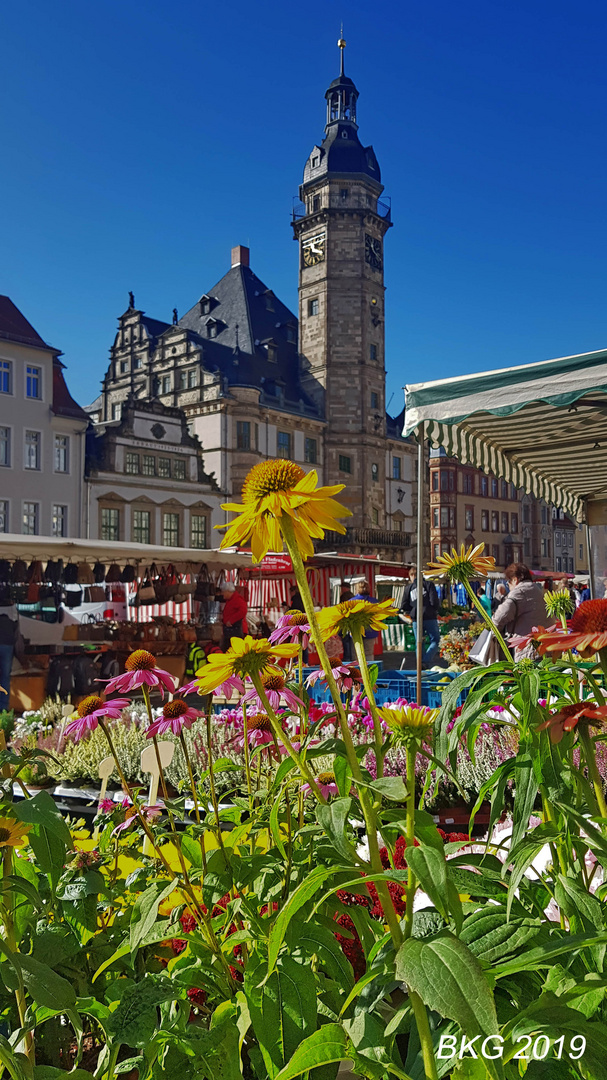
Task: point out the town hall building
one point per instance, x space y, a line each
255 381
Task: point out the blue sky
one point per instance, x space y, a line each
140 141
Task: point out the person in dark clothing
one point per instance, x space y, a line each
346 639
11 644
430 613
297 603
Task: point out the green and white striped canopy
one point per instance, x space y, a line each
541 426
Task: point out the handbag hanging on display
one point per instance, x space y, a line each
113 575
204 586
70 574
166 585
99 573
146 593
85 574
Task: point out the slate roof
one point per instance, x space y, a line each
15 327
395 425
342 154
154 327
63 402
249 317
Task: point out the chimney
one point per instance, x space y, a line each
240 256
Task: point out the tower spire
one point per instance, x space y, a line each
341 44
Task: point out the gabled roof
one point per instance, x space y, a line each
15 327
248 316
63 402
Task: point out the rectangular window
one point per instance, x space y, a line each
164 467
33 382
495 552
494 488
373 352
546 548
374 516
485 520
396 468
4 516
141 526
468 484
148 465
557 539
435 518
345 464
581 556
116 410
484 485
30 518
310 451
183 380
513 492
374 400
61 450
243 434
138 363
179 469
59 521
526 514
170 530
5 446
313 306
343 192
559 562
504 489
495 521
435 480
469 518
198 531
132 464
447 517
315 203
32 450
514 523
436 551
6 380
192 378
447 480
283 444
504 522
166 384
110 524
123 366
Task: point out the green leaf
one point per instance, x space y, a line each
191 849
450 980
526 786
16 1064
21 885
543 955
297 899
430 869
390 787
135 1019
490 936
282 1009
315 939
218 878
275 826
333 818
49 850
326 1045
426 830
145 911
42 810
522 854
45 986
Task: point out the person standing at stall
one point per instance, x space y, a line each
11 644
234 614
364 593
429 616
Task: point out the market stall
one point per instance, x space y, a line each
85 604
539 426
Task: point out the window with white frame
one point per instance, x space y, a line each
33 382
61 452
4 523
396 468
131 465
179 469
310 451
198 531
110 523
30 518
5 446
283 444
32 450
59 520
6 377
141 526
170 530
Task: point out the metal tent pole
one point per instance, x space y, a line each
420 558
590 563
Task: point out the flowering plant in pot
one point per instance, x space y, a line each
321 917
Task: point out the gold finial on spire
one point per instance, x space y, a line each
341 44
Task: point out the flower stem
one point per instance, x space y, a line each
425 1035
212 782
593 772
364 669
11 942
410 835
284 738
194 797
487 619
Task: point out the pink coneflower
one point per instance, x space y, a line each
226 688
106 806
90 711
141 670
292 626
149 813
176 716
277 692
259 729
347 676
325 781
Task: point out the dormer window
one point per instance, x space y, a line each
206 304
271 348
291 335
212 328
315 162
269 299
315 203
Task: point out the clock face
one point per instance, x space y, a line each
373 252
313 249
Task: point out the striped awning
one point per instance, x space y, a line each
543 427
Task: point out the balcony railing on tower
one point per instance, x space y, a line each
383 207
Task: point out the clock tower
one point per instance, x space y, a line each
340 228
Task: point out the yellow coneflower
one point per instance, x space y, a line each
277 488
354 617
409 721
12 833
463 565
246 656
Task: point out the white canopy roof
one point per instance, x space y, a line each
42 548
541 426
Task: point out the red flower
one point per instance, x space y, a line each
351 946
587 631
570 715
